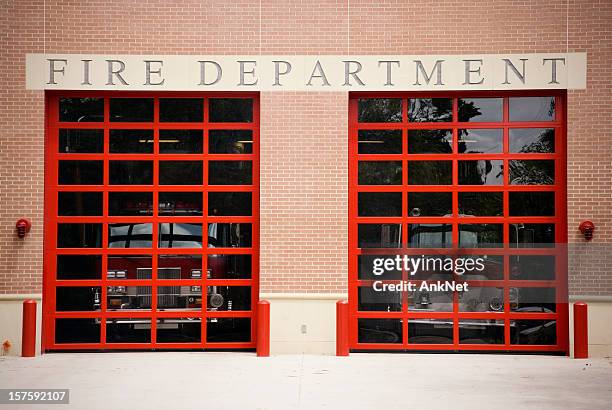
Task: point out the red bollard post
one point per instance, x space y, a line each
28 332
581 331
263 328
342 328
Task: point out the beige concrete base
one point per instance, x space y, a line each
11 312
302 323
600 330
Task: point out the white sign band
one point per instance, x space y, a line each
306 73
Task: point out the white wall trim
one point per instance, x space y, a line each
590 298
307 296
20 296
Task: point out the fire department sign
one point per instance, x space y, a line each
306 73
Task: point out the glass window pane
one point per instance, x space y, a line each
533 332
369 299
230 110
430 204
79 203
230 203
81 141
131 172
532 204
379 236
481 203
533 300
179 330
229 267
379 331
79 267
230 142
430 110
481 109
181 109
228 298
180 173
179 297
380 141
180 203
229 235
131 141
366 265
128 330
532 108
492 268
131 109
380 204
536 140
180 142
430 235
77 298
380 172
478 331
229 329
80 172
430 172
81 109
532 172
481 235
424 300
430 331
532 235
77 331
129 267
79 235
482 299
433 267
532 267
128 298
430 141
188 267
380 110
130 235
130 203
230 172
481 172
481 141
180 235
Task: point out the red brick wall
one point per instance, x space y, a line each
303 184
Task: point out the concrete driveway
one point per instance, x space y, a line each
195 380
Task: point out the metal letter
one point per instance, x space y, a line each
252 72
277 72
86 72
148 72
348 72
469 71
388 63
553 79
437 67
521 76
53 70
116 73
321 75
203 72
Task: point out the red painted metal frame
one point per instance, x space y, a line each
560 220
51 219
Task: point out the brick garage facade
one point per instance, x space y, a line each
303 135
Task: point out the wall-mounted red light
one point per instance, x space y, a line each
587 228
23 226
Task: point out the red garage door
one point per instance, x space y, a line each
445 178
151 220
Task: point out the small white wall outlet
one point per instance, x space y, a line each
303 329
